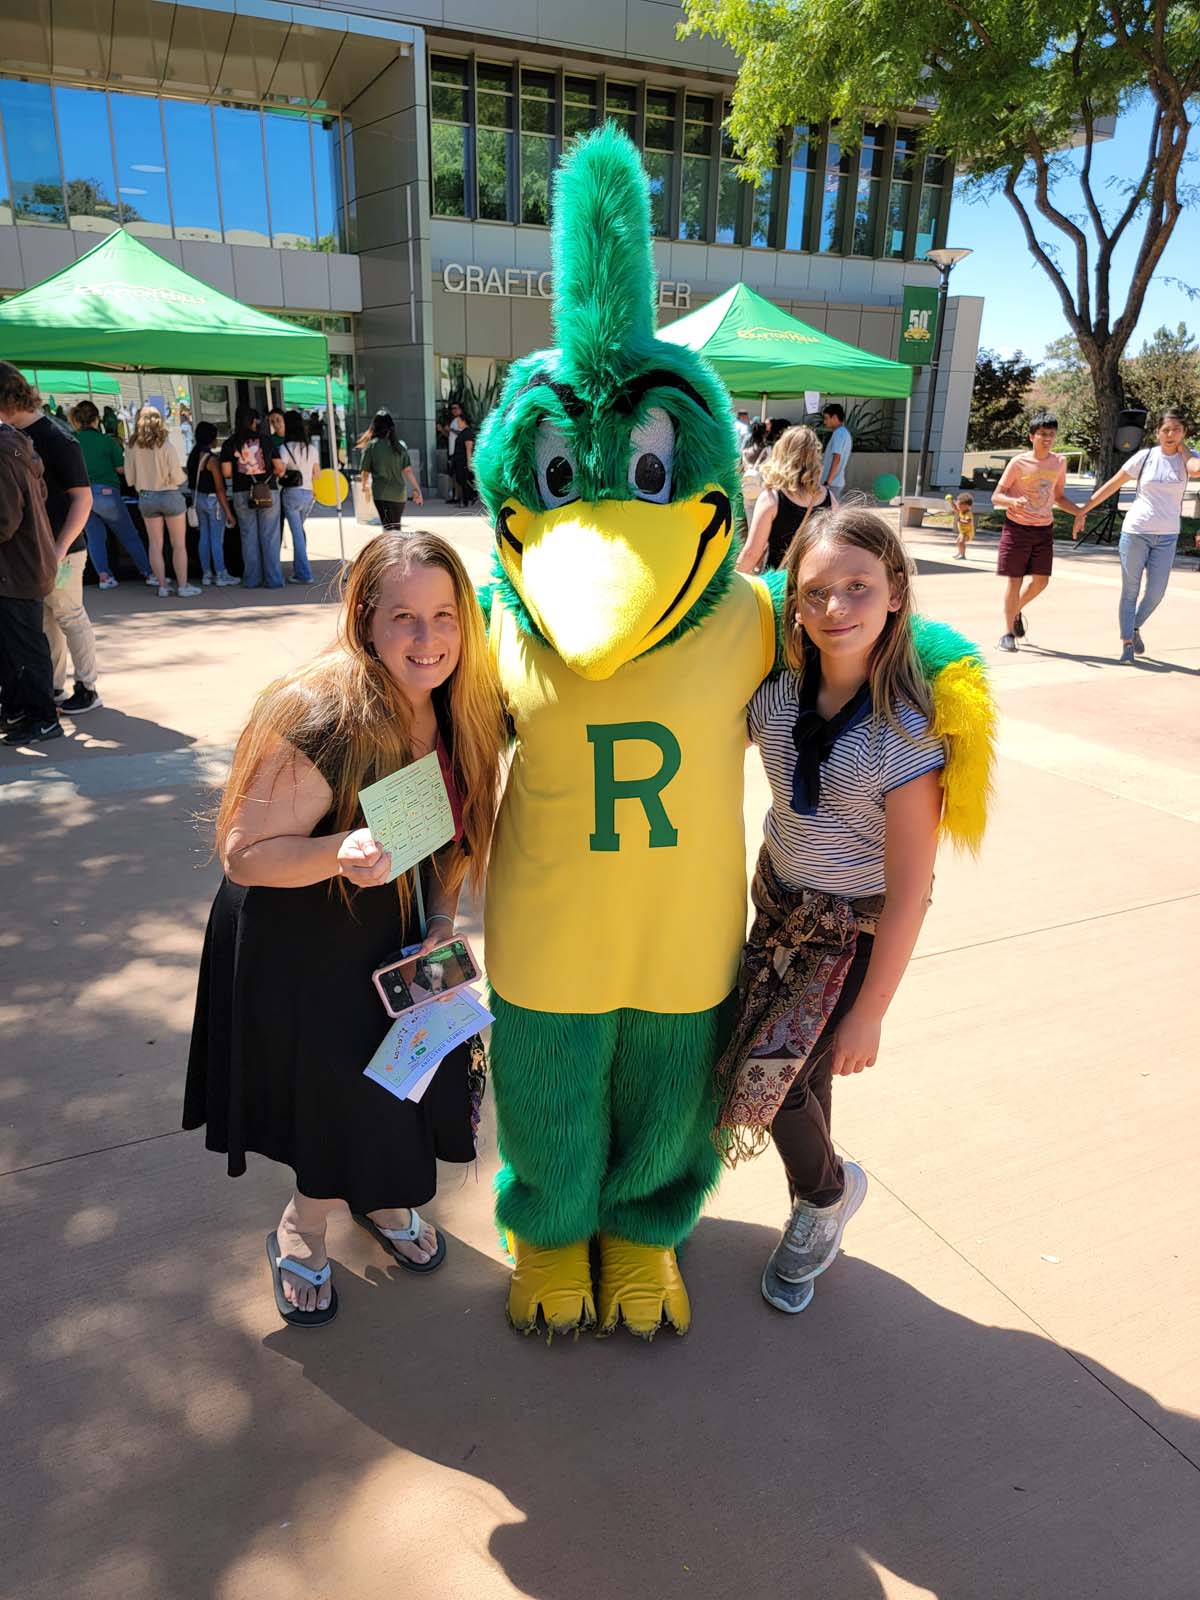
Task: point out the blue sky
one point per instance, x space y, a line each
1021 307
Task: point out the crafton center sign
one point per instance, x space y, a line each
525 283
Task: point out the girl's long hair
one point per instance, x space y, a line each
346 713
206 437
794 464
382 427
893 671
295 429
149 430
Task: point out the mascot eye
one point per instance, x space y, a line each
651 452
557 470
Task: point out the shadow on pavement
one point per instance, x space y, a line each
1145 663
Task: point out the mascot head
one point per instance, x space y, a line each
609 465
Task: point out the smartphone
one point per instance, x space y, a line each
409 981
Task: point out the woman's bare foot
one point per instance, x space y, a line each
422 1247
309 1249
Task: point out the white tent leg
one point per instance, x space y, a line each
762 415
904 451
270 394
333 458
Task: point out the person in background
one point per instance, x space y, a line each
776 428
68 504
187 430
838 449
963 506
741 427
754 454
386 470
105 462
252 465
792 491
464 463
300 464
213 512
153 468
112 423
28 565
276 425
1150 531
1030 487
455 427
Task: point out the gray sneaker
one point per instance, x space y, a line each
810 1241
790 1297
1138 644
1128 655
1007 642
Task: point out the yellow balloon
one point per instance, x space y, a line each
330 488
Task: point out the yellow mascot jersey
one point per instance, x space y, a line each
618 870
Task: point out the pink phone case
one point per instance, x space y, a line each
415 980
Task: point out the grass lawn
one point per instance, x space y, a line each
990 521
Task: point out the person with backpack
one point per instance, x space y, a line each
211 505
252 465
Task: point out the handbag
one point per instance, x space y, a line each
261 495
293 478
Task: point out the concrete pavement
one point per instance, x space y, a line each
994 1394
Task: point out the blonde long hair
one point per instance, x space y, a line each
794 464
149 429
346 706
893 671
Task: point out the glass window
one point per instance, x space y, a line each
289 178
449 169
802 177
141 164
869 185
539 148
620 106
697 167
831 197
579 108
327 170
243 182
660 157
448 88
932 189
763 210
28 118
193 169
729 194
900 193
538 93
493 97
494 161
87 159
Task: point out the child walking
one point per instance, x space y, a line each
963 506
844 876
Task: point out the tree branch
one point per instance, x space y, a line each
1085 175
1064 224
1037 250
977 28
1165 209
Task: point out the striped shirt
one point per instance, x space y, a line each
839 848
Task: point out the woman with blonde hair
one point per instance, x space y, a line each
154 469
792 491
287 1016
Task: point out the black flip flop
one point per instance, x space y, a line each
279 1264
412 1233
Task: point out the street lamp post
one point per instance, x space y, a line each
945 261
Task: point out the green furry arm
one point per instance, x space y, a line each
964 717
484 593
938 644
776 581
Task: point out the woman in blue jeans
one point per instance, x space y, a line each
213 511
252 466
1150 531
105 462
300 462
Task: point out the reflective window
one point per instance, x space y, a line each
868 190
289 178
494 141
729 194
91 183
802 178
697 167
764 208
450 134
33 169
831 197
900 193
579 105
539 147
240 170
193 169
660 158
141 164
327 171
620 106
448 88
932 192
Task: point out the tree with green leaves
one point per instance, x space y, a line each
1010 88
1166 372
998 400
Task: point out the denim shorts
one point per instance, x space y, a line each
161 502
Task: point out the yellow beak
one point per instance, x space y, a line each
606 581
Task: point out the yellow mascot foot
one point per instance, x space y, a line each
555 1282
641 1285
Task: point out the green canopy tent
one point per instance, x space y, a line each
124 308
759 351
308 394
62 380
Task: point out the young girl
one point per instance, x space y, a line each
792 491
844 876
287 1016
156 472
963 506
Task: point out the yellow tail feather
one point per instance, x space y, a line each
964 715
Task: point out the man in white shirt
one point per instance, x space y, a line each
837 449
741 426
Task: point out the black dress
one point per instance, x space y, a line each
788 517
287 1018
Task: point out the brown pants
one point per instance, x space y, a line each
801 1126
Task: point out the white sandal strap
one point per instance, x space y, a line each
298 1270
408 1235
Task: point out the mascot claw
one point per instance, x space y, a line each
555 1282
641 1285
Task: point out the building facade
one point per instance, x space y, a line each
382 169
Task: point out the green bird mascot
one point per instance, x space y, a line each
627 649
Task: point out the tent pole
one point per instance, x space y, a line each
333 457
270 394
762 415
904 452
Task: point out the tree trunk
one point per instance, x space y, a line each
1110 402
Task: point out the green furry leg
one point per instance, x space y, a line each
605 1123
